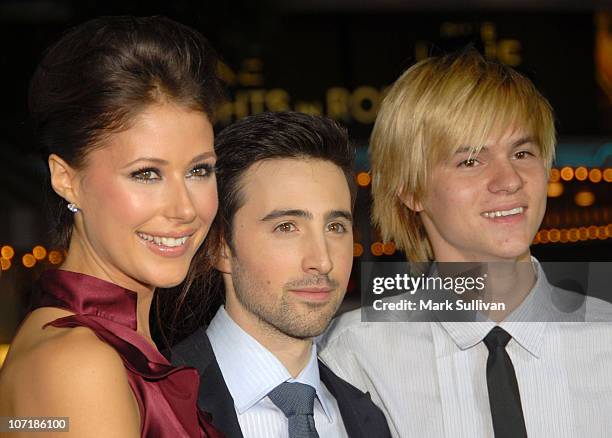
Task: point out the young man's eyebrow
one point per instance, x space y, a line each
466 149
337 214
521 141
331 215
276 214
515 144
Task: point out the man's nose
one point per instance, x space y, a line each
316 255
505 177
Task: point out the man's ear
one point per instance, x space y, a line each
223 260
63 178
409 200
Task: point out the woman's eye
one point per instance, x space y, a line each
336 227
285 227
146 175
202 171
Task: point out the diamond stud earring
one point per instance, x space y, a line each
72 207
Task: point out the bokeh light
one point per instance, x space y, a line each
28 260
595 175
39 252
567 173
389 248
602 232
55 257
5 264
363 179
573 235
555 189
581 173
554 235
555 175
7 252
377 248
584 199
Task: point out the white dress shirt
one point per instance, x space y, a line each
429 378
251 371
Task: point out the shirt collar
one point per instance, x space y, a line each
250 370
526 324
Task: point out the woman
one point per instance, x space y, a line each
123 108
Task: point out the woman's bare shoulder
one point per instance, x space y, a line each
71 373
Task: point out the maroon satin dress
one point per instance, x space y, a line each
167 395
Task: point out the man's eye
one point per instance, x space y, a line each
336 227
146 175
285 227
470 162
523 154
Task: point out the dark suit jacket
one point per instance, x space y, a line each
362 419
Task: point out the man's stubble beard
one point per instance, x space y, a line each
300 320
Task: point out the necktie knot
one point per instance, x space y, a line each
293 398
497 338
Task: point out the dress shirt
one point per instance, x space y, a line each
251 371
429 378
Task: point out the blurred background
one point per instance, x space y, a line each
335 58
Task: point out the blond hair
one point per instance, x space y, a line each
435 107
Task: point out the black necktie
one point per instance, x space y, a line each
504 396
296 400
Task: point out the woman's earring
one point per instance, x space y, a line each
72 207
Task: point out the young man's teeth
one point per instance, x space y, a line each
165 241
491 214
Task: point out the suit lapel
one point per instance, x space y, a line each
214 397
355 407
353 417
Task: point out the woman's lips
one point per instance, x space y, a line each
165 246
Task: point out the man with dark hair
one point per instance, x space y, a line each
286 191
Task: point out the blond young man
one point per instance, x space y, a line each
460 154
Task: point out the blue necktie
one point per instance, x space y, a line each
296 400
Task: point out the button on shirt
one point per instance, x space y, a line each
251 371
430 377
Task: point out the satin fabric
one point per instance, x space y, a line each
166 395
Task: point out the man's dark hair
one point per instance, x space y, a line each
265 136
269 136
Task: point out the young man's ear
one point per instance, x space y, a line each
409 200
63 179
223 260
